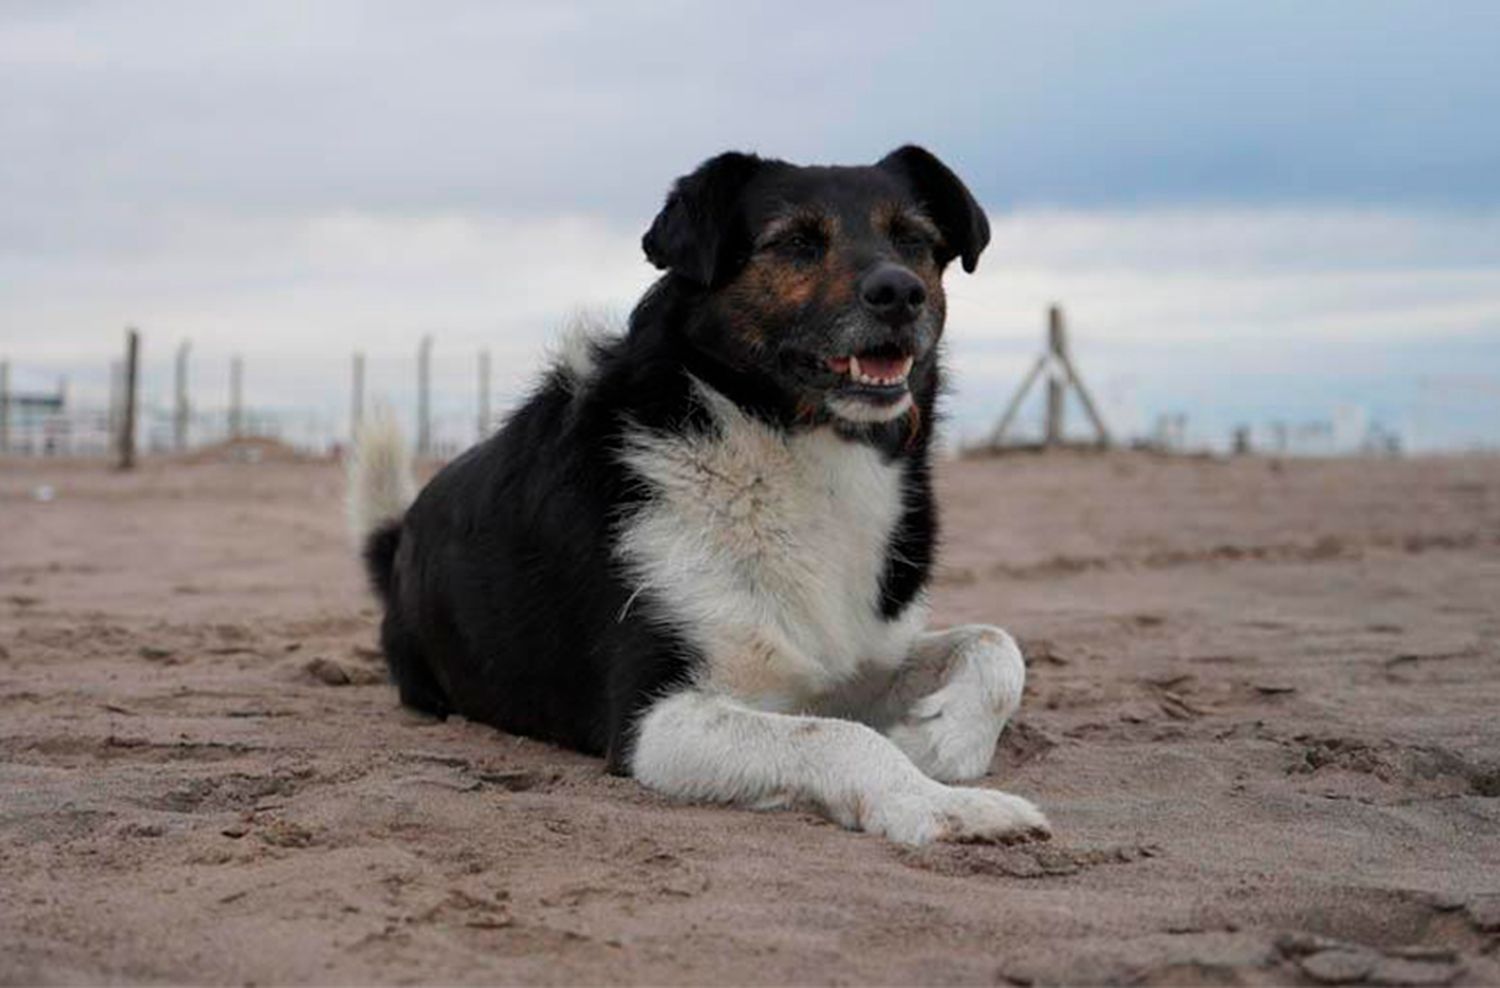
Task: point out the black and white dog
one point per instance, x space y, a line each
701 547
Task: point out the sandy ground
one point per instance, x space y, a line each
1262 714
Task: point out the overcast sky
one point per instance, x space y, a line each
1251 210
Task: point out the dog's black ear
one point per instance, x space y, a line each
965 228
699 230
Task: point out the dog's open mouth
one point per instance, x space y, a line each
877 376
867 385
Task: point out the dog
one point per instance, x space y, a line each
701 547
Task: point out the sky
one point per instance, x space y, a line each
1251 213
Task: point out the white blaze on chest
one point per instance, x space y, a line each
767 551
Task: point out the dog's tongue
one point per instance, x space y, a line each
884 367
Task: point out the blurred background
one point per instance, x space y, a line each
1277 219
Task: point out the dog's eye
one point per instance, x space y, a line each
800 246
911 243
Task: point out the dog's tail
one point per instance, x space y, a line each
381 487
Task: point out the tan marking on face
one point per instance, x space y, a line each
750 333
937 300
888 217
913 423
791 220
788 285
772 288
887 214
838 282
767 293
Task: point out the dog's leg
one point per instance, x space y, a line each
701 745
951 699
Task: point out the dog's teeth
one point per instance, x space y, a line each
857 374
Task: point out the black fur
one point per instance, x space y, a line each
504 599
698 230
966 230
380 558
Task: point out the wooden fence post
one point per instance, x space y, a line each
4 406
356 397
484 393
424 402
180 411
112 412
62 405
236 397
127 419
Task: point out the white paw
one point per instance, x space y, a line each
951 813
951 738
951 733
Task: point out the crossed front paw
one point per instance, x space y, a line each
959 814
951 732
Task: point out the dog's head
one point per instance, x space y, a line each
823 283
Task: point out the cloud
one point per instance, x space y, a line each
482 108
326 284
1168 308
1279 181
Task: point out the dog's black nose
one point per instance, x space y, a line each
893 294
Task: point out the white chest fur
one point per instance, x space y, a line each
766 551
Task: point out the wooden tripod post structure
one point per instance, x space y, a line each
1057 362
1057 348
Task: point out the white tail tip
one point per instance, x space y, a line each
381 482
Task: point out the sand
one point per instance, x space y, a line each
1261 713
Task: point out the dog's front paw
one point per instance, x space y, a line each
950 734
951 813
